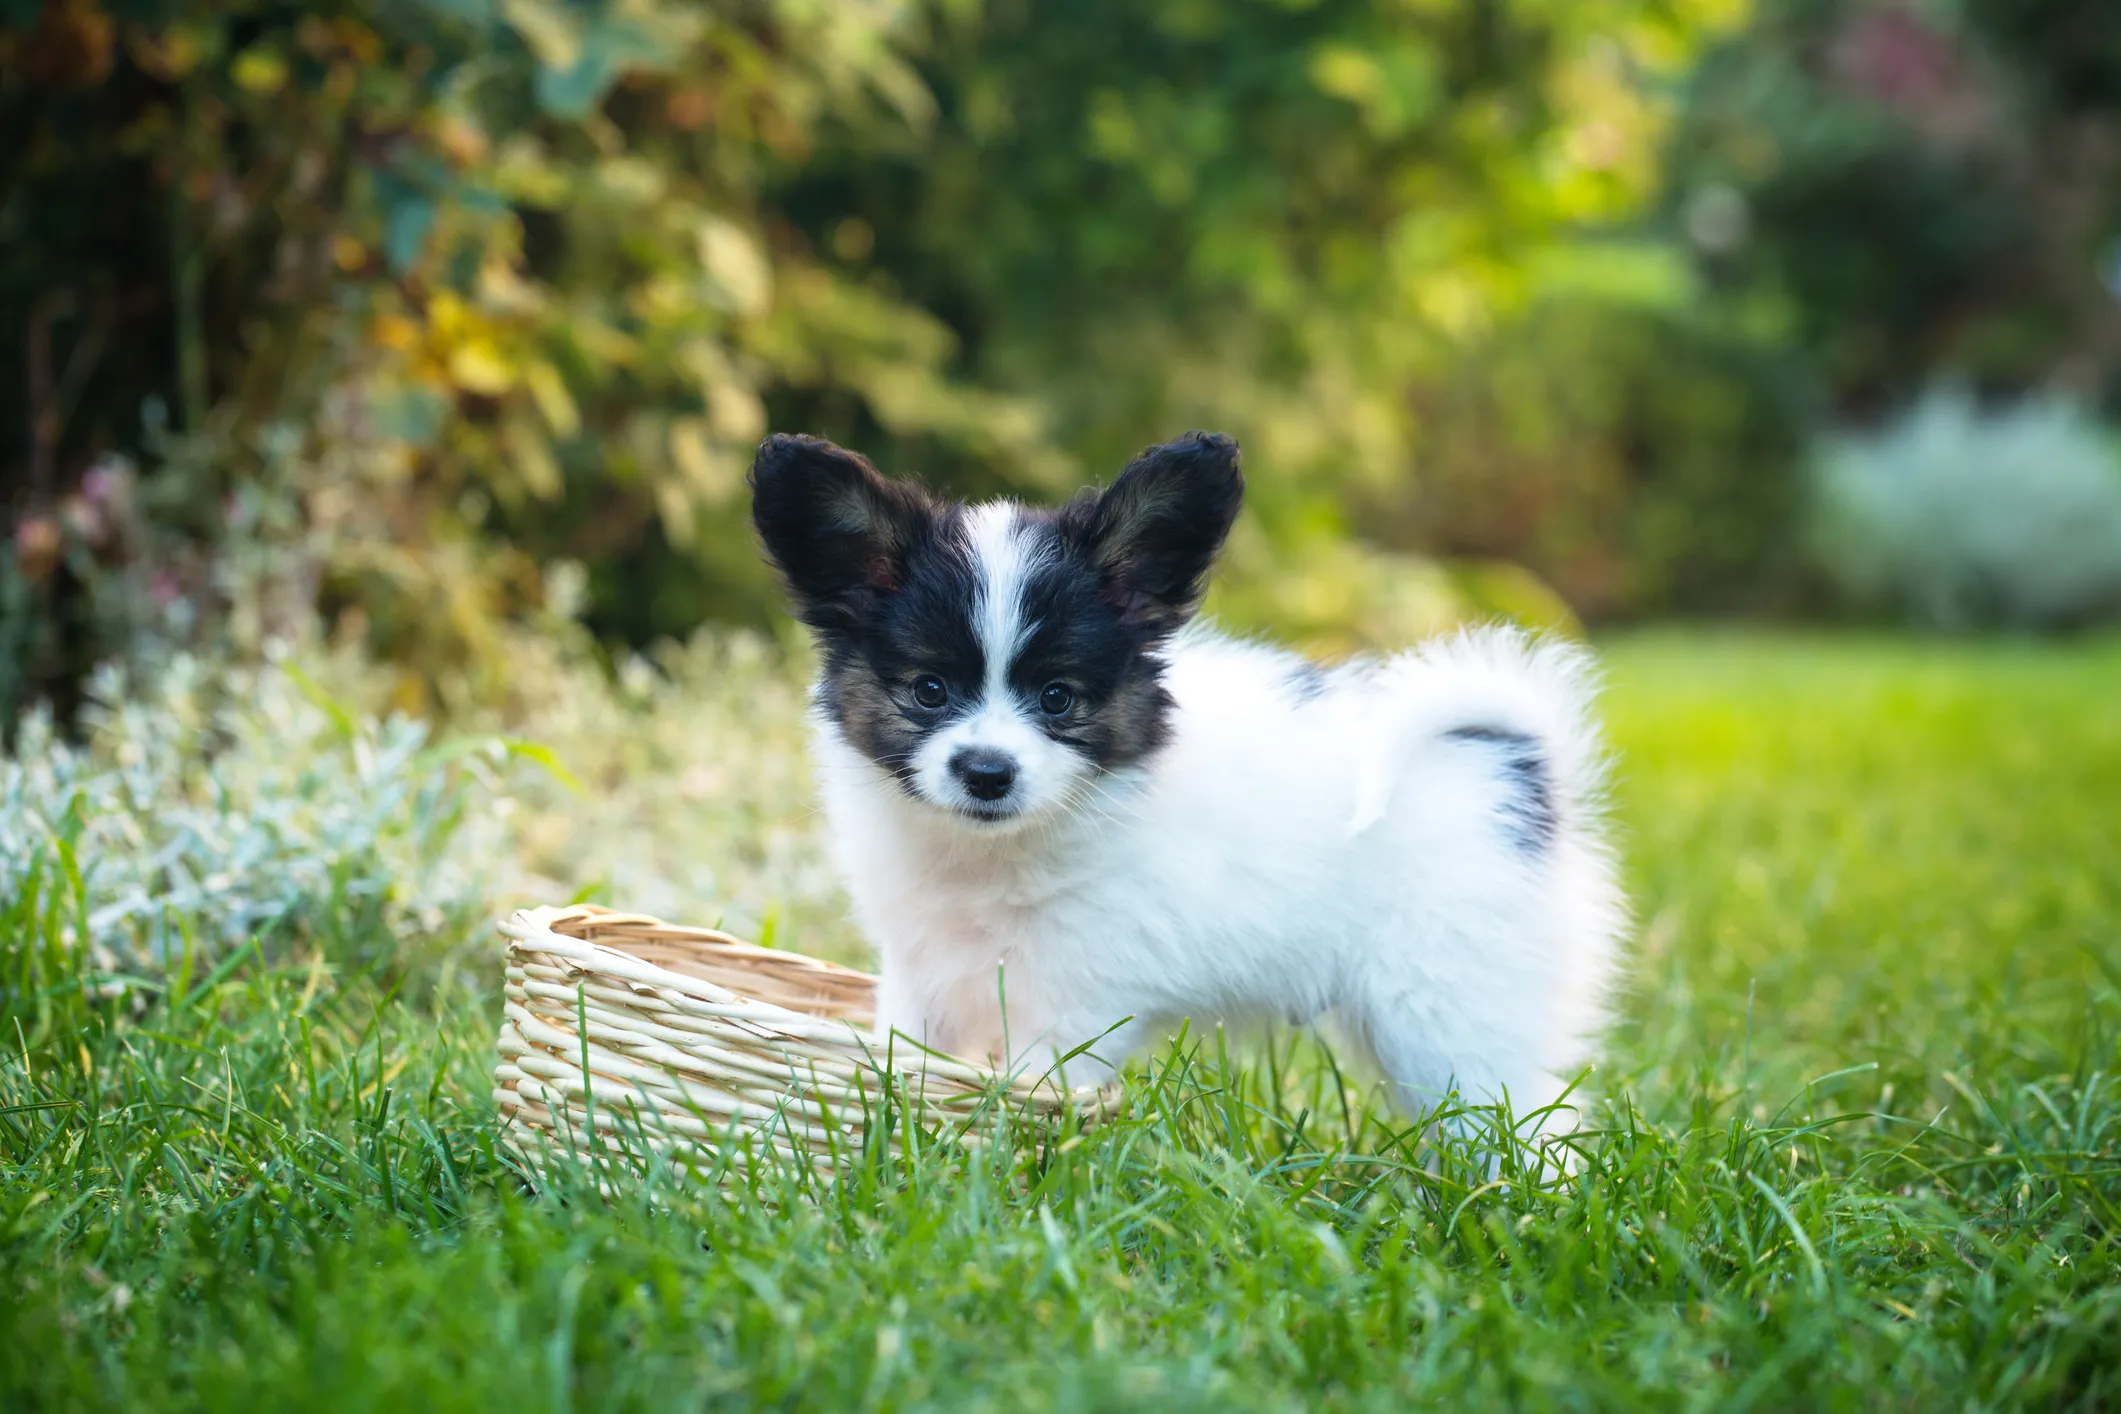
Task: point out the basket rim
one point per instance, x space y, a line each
544 919
537 929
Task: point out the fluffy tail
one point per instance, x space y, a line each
1499 681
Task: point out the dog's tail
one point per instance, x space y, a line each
1495 683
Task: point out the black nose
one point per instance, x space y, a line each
986 774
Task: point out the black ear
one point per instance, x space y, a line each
833 525
1154 533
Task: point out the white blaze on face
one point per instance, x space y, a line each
1005 554
1006 559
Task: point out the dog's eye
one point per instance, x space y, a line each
929 691
1057 698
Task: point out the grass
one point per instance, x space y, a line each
1862 1145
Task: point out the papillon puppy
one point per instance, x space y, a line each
1070 819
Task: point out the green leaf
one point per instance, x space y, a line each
608 48
342 721
405 229
537 753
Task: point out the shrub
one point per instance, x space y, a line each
1959 517
214 806
452 293
688 793
445 292
1906 193
209 805
1637 461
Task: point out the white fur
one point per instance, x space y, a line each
1285 855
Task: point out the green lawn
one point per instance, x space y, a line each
1864 1146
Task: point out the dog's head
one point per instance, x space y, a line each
995 658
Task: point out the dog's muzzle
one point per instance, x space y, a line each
986 774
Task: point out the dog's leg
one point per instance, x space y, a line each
897 1009
1479 1053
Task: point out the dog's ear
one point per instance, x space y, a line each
835 527
1154 533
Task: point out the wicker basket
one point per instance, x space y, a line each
690 1043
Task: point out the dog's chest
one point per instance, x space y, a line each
985 908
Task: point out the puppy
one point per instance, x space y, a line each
1070 818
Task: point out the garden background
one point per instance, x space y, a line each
377 383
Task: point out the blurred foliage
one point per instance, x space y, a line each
1639 459
215 804
1869 199
462 289
1955 516
459 312
1904 191
1254 216
432 319
1268 219
1906 195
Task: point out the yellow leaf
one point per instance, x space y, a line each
673 502
477 367
169 55
395 331
1346 72
707 363
532 459
504 292
633 180
259 71
710 470
549 391
360 41
462 139
600 341
446 314
736 412
733 260
521 170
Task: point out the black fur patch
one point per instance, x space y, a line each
841 534
921 626
1534 819
1155 532
1080 637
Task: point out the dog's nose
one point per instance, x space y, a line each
986 774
